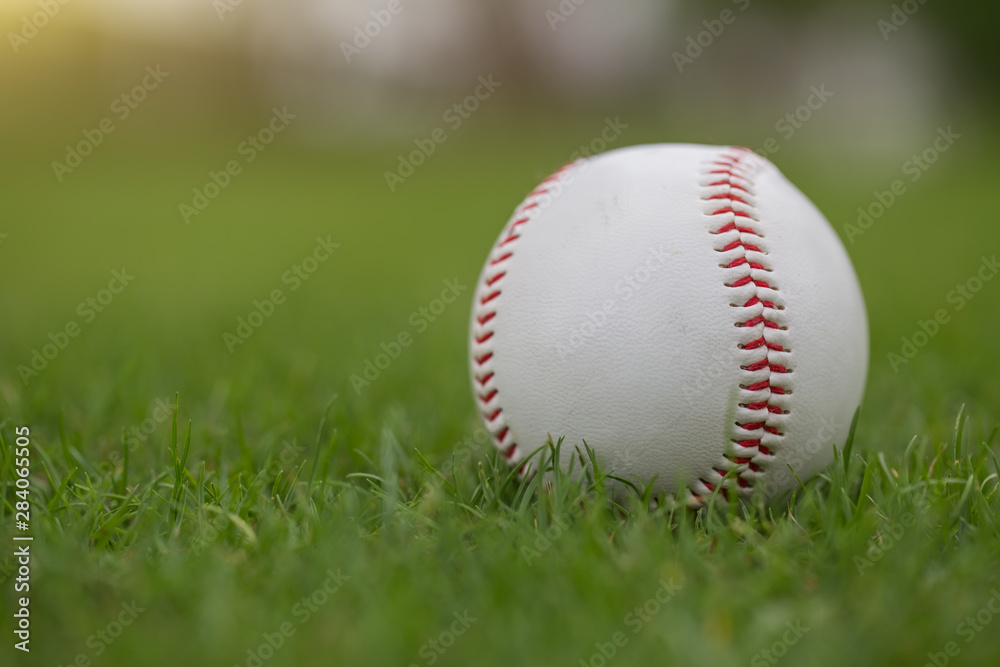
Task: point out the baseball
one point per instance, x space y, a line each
682 309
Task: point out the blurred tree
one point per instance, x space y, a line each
969 28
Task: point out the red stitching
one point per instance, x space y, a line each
489 297
499 276
746 280
763 405
732 225
732 186
731 166
760 342
743 260
729 196
767 304
729 209
490 291
745 246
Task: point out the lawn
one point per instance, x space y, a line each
210 492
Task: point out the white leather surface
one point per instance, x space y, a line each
655 386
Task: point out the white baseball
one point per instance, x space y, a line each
683 309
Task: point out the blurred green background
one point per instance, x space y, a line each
561 82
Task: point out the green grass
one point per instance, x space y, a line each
268 471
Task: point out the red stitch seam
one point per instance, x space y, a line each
727 168
490 292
